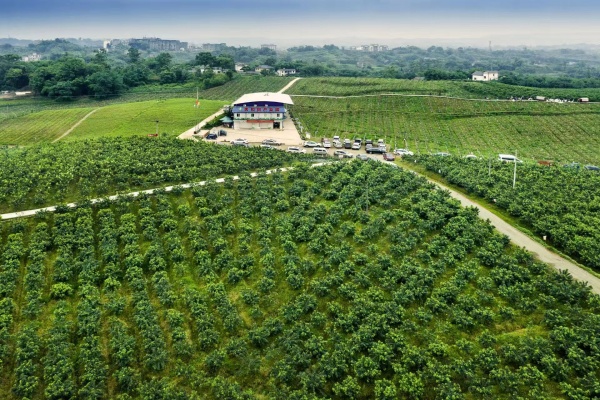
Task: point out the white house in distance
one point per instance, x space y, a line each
264 110
286 72
485 76
263 67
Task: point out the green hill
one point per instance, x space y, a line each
352 280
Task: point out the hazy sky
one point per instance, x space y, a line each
291 22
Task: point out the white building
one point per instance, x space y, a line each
268 46
286 72
263 110
239 67
261 68
32 57
485 76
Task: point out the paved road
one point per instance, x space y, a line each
522 240
76 125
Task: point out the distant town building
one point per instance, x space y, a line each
239 67
210 47
485 76
260 110
156 44
373 48
262 68
268 46
286 72
32 57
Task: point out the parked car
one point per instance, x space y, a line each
356 146
211 136
508 158
222 132
267 146
368 142
375 150
320 151
342 153
272 142
573 165
326 143
239 142
310 143
403 152
336 137
337 144
380 142
441 154
471 156
363 157
389 156
592 168
347 144
295 149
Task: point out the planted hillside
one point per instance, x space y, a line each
553 131
63 172
335 86
303 284
560 203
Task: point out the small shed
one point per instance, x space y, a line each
583 100
540 98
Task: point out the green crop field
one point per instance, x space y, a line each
562 132
39 127
138 119
245 84
289 285
479 90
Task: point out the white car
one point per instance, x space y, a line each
336 138
239 142
272 142
337 144
295 149
471 156
403 152
326 144
342 154
310 143
355 146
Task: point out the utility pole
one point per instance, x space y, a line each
515 171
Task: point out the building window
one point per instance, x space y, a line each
277 115
237 115
252 115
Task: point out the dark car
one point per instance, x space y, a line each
389 156
592 168
376 150
211 136
222 132
572 165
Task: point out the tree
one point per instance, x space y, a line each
105 84
205 58
134 55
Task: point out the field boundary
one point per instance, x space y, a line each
432 96
71 129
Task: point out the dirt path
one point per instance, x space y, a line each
76 125
289 85
522 240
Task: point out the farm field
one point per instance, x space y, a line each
338 86
138 119
285 286
63 172
559 203
561 132
39 127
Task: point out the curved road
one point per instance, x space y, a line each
76 125
522 240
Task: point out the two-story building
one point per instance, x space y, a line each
286 71
264 110
485 76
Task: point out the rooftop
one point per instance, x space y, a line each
257 98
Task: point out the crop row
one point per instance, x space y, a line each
424 124
289 284
558 203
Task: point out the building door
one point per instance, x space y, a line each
276 125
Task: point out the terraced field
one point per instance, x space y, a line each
561 132
335 86
39 127
138 119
